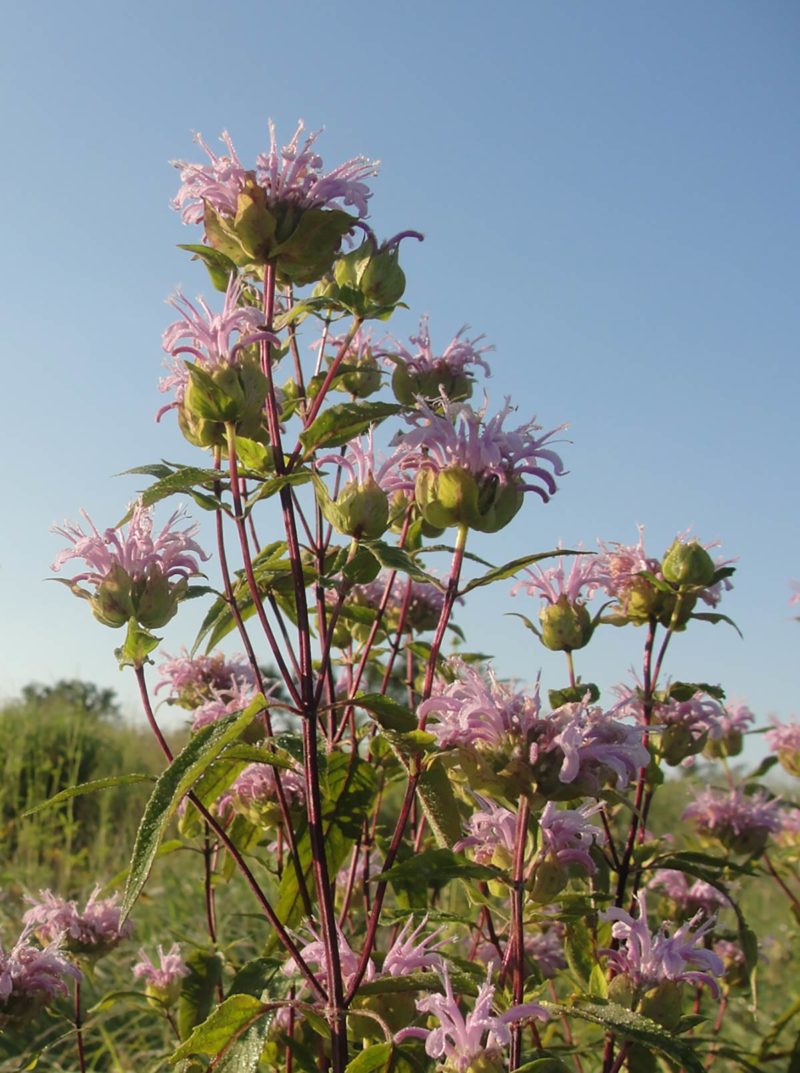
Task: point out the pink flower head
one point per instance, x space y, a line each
621 564
93 932
314 955
220 703
795 597
701 715
172 554
477 711
741 821
457 355
460 438
688 897
31 978
190 680
648 958
361 465
217 183
256 788
460 1040
567 835
171 967
294 174
289 176
578 584
208 337
490 828
737 718
408 953
784 737
592 742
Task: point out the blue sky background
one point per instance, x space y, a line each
609 192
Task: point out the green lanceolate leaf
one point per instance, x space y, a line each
392 558
434 868
387 712
139 643
220 268
340 423
87 788
198 989
439 804
500 573
579 949
222 1027
375 1059
463 983
635 1027
714 617
173 785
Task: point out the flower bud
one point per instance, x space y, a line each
688 564
565 626
163 997
730 744
362 510
383 281
156 598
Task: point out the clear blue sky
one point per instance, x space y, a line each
609 192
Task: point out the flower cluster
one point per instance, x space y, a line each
420 373
135 575
193 680
31 978
461 1040
784 739
90 933
742 822
288 175
162 981
648 958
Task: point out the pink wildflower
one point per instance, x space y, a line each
31 978
93 932
491 828
784 737
567 835
408 953
737 718
137 552
458 353
171 967
314 955
476 710
234 699
460 1040
742 822
592 741
578 584
688 897
255 789
208 337
648 958
192 679
461 438
291 175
